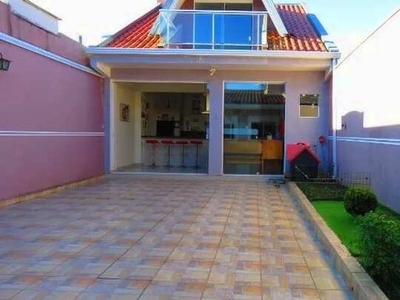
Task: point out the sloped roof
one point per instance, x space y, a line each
295 150
136 34
301 34
252 97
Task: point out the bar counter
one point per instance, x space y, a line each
175 151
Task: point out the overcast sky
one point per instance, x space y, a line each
347 21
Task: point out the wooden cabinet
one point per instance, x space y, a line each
242 152
272 149
272 157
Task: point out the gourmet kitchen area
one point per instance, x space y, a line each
165 128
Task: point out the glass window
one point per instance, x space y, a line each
210 6
253 128
231 31
309 106
239 6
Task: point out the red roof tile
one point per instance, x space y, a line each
294 151
302 36
136 34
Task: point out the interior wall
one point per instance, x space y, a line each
173 106
127 135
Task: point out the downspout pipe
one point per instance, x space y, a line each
106 113
335 120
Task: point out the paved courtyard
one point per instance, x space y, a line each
159 238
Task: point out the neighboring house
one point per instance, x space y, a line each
217 87
51 111
367 109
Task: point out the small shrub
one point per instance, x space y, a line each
360 200
380 244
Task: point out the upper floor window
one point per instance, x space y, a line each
215 25
224 6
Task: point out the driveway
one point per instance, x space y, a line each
163 238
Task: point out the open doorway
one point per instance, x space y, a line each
254 128
160 128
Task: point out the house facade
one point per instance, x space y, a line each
216 87
367 123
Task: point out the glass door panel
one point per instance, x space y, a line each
253 128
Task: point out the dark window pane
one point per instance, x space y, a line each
210 6
239 6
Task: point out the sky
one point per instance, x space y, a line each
348 22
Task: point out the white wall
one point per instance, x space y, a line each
35 14
368 109
368 79
127 146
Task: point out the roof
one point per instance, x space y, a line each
301 34
252 97
295 150
136 34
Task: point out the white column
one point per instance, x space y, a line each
113 116
216 135
137 119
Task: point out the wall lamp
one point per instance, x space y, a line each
4 63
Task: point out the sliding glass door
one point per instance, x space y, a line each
254 128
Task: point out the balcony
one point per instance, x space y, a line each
206 29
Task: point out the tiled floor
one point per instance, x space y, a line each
161 169
160 238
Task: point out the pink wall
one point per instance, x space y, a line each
297 83
21 29
39 94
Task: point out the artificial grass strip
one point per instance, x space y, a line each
343 224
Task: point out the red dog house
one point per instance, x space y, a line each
303 161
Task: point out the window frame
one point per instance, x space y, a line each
318 106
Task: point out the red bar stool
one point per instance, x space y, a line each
183 144
153 143
197 144
168 143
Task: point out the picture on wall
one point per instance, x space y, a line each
124 112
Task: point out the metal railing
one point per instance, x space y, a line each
206 29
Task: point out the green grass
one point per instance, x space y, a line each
322 191
327 199
343 224
348 230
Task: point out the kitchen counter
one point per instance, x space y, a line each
172 138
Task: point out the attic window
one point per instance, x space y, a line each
309 106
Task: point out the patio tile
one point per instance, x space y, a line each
8 293
45 295
63 284
325 279
82 266
335 295
163 238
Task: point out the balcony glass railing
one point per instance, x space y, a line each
204 29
